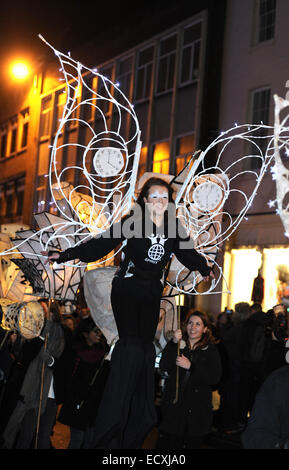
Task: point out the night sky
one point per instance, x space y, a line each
66 23
69 24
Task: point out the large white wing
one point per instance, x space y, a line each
280 172
108 159
209 190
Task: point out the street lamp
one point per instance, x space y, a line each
20 70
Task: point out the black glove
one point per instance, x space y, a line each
47 357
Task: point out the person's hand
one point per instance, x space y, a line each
46 357
183 362
177 336
207 278
54 255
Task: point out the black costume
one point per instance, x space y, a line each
268 426
188 420
136 293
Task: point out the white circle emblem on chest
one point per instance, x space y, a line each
156 252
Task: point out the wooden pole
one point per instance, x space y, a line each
178 352
42 381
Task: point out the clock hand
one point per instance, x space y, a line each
113 166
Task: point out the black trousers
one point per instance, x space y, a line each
136 307
127 412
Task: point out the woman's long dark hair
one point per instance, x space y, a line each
207 337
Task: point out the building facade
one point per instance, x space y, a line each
255 67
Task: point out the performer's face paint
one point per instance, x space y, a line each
157 200
195 328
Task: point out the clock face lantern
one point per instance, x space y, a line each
207 196
108 161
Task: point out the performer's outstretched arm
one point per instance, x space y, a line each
188 256
89 251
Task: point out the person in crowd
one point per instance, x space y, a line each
33 418
11 344
258 289
87 378
253 347
229 413
188 419
268 425
277 335
224 322
69 321
127 412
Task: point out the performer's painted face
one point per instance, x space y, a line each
195 328
157 200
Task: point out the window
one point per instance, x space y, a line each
123 76
142 162
266 20
11 199
74 116
13 143
2 197
60 99
103 103
185 148
9 196
161 158
260 100
87 109
144 73
20 195
24 115
24 138
191 52
46 108
166 66
40 199
3 145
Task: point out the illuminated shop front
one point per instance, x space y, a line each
259 244
241 267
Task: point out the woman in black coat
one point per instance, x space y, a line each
186 422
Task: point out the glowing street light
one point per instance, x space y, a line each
20 70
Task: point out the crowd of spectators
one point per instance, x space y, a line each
240 355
